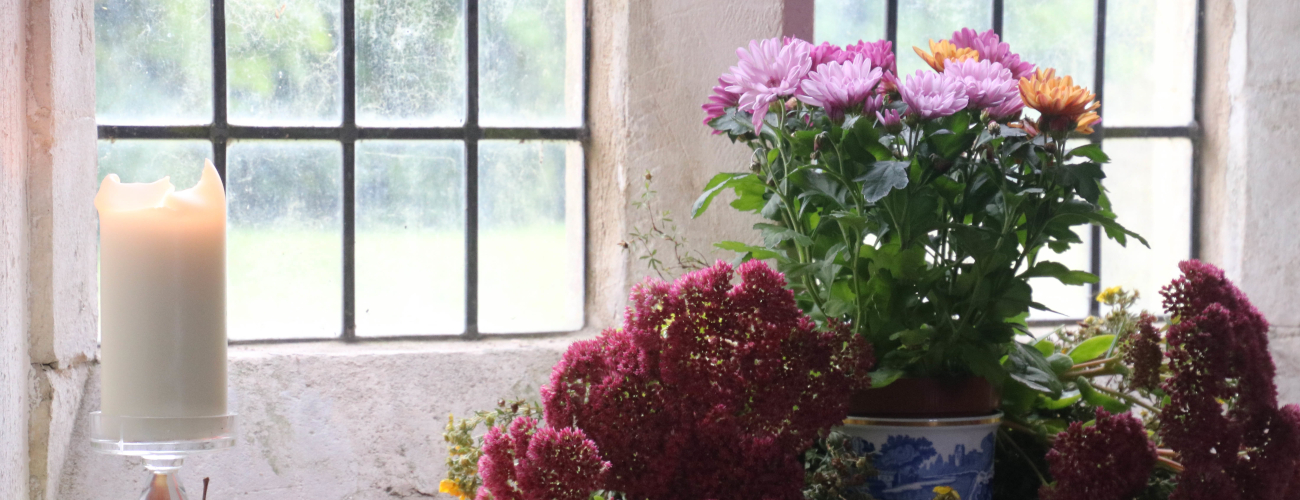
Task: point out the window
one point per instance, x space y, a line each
1140 57
393 168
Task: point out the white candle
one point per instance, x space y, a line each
163 306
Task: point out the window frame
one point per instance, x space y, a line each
220 133
1191 131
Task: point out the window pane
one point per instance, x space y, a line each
410 237
919 21
1056 34
530 236
1071 301
153 62
523 48
1150 185
843 22
283 62
1150 49
284 240
150 160
410 62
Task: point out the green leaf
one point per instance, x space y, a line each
733 123
1092 152
1060 363
884 376
756 252
1091 349
1046 347
1028 366
715 186
915 337
1098 398
750 192
1059 271
883 177
773 235
1065 401
1085 178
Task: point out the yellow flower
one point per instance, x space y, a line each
944 51
450 487
945 493
1061 102
1110 295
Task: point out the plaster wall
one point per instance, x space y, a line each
13 265
1250 173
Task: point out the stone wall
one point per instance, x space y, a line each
1250 168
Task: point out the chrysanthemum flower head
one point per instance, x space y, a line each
720 100
826 53
1061 102
841 88
1009 109
943 51
880 52
890 120
767 72
933 95
987 83
991 48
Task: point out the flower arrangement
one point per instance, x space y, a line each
1205 424
914 210
709 390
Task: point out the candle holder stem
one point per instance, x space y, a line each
165 484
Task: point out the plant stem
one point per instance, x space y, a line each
1169 464
1028 460
1090 364
1127 397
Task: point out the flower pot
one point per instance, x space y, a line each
915 458
928 398
927 433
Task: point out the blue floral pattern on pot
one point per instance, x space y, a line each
912 461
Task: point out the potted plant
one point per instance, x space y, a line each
916 210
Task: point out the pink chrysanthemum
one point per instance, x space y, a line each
988 84
889 120
991 48
880 53
826 53
932 95
841 88
720 101
1108 461
1009 109
767 72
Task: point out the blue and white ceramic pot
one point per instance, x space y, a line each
919 458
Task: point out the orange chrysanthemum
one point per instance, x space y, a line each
1060 101
943 51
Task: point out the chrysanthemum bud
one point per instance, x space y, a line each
942 165
756 162
995 129
822 141
816 156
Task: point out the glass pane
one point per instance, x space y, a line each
1056 34
284 242
919 21
410 237
530 236
283 62
150 160
1150 50
153 62
410 62
1150 186
524 46
843 22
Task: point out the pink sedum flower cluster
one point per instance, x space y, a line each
1107 461
709 390
1222 417
993 49
932 95
767 72
1144 355
838 88
530 462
